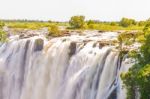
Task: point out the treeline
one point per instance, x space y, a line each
80 22
76 22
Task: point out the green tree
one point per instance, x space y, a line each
142 23
125 22
77 21
90 22
113 23
54 31
138 77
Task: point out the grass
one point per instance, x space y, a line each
108 27
95 26
33 25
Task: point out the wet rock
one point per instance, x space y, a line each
100 31
23 36
113 94
107 43
72 48
103 43
38 45
94 45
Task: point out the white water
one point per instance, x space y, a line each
63 68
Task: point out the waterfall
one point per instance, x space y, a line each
62 68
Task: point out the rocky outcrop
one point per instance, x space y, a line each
22 36
38 45
72 48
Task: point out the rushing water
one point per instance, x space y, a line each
75 67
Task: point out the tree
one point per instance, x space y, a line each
54 31
125 22
90 22
142 23
138 77
77 21
113 23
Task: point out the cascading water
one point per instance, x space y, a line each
76 67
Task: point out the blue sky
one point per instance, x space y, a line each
62 10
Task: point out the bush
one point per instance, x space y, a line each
90 22
127 38
142 23
113 23
3 36
1 24
77 21
54 31
125 22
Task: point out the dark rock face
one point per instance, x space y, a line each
72 48
38 45
113 94
100 31
94 45
22 36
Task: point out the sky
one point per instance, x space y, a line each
62 10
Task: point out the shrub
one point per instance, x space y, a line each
90 22
77 21
113 23
125 22
3 36
1 24
54 31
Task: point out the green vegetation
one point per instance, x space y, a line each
77 22
54 31
32 25
125 22
130 37
127 38
3 35
138 77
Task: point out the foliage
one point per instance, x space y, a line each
143 79
54 31
113 23
1 24
3 35
127 38
90 22
142 23
77 21
138 77
132 53
33 25
125 22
